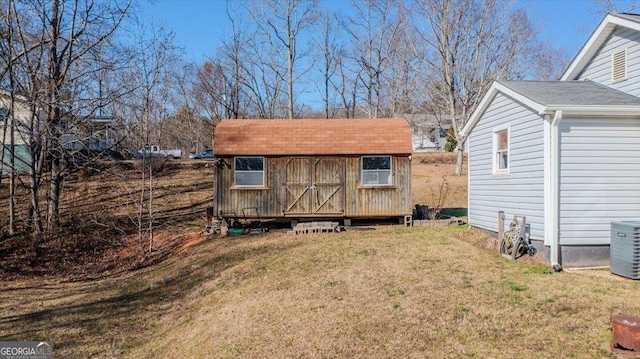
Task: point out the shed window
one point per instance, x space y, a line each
376 170
501 150
619 66
249 171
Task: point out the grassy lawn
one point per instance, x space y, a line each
388 292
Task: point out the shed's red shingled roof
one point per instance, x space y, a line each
312 137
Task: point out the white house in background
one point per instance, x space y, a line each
565 154
94 133
21 116
428 132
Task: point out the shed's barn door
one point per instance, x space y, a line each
314 186
297 188
328 186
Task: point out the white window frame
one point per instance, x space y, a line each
235 172
363 171
495 151
626 63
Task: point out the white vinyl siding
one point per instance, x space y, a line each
599 69
599 178
21 114
522 192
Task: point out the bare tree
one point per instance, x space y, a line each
282 22
346 85
232 57
375 30
74 30
602 7
55 49
153 70
8 118
210 92
472 44
404 87
328 50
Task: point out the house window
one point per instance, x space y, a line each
376 170
501 150
249 171
619 66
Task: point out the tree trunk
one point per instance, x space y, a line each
37 153
290 85
11 117
53 220
54 119
12 187
141 206
459 159
150 206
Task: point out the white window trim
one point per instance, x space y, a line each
264 170
626 66
362 171
494 151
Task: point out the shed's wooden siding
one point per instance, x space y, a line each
365 201
599 68
264 199
275 200
599 178
522 191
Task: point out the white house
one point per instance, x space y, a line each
428 132
21 115
565 154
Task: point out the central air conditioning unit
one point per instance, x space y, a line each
625 249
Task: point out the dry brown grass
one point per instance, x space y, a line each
98 211
428 171
389 292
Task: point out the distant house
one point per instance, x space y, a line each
21 116
93 133
566 154
428 132
310 169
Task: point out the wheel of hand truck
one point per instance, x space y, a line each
531 251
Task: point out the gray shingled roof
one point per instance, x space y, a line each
629 16
571 93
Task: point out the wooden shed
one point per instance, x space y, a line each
297 169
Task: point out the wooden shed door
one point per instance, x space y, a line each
297 188
314 186
328 186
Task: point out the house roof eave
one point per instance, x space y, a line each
597 38
615 111
496 88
